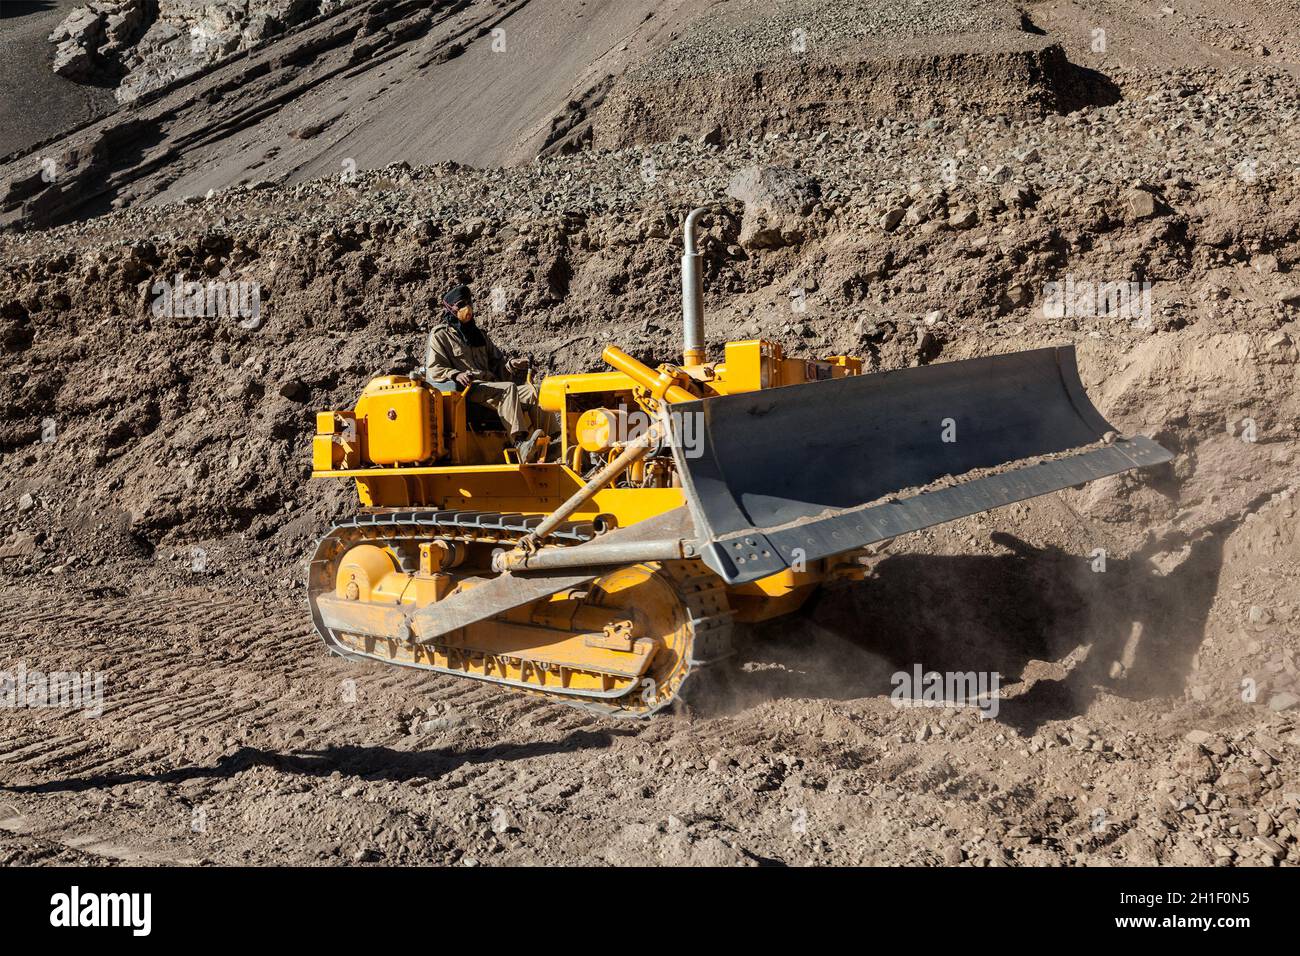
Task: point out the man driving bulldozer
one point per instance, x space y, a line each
459 351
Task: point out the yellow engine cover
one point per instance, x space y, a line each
403 421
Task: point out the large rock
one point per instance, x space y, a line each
79 37
1142 203
73 61
777 202
83 26
92 38
109 37
123 22
219 29
775 189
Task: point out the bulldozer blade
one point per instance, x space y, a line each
781 476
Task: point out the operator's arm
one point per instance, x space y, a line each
444 356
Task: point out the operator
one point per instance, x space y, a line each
460 351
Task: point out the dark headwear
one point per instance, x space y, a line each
457 296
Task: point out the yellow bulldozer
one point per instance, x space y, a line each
676 504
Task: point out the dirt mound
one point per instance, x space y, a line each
752 68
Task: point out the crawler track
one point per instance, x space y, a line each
708 642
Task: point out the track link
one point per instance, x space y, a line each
700 592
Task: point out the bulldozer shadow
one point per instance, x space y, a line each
1129 630
365 762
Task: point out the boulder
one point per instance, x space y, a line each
778 201
82 26
1142 204
890 220
90 39
73 61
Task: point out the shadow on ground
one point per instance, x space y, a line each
372 763
23 8
997 613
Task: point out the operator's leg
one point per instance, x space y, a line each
548 422
504 398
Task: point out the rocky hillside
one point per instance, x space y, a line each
288 91
146 45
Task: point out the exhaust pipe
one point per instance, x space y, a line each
692 295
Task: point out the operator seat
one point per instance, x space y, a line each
480 418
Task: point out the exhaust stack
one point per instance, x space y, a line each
692 295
